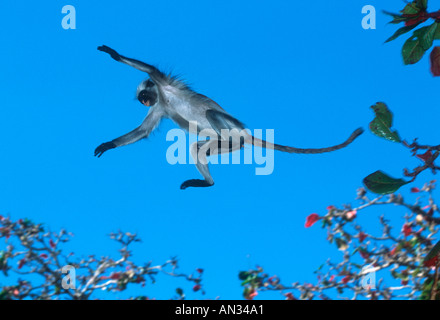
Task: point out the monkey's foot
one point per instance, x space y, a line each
195 183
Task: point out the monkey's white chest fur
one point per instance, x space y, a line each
182 110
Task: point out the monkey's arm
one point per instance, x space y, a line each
143 131
154 73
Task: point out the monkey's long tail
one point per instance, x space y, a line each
264 144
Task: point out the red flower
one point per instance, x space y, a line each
406 229
199 270
44 256
252 295
21 263
364 254
345 279
311 220
197 287
362 236
289 296
432 262
273 280
404 282
415 190
414 20
52 244
115 276
393 251
331 208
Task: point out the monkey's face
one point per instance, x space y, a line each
147 93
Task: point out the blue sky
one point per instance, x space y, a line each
306 69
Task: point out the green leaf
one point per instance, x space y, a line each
397 18
412 51
356 265
382 123
246 292
2 259
427 288
411 8
437 32
179 291
326 222
243 275
354 251
435 251
414 242
426 35
401 31
415 272
4 295
422 4
421 40
249 279
381 183
320 268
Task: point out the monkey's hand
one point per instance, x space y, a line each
103 148
111 52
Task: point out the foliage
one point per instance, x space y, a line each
408 256
381 183
34 260
412 16
35 257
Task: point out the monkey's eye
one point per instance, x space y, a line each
143 95
149 84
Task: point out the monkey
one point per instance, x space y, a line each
169 97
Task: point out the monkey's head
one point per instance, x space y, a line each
147 93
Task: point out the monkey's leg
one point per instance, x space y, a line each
220 121
200 150
201 165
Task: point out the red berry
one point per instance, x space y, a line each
406 229
345 279
21 263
